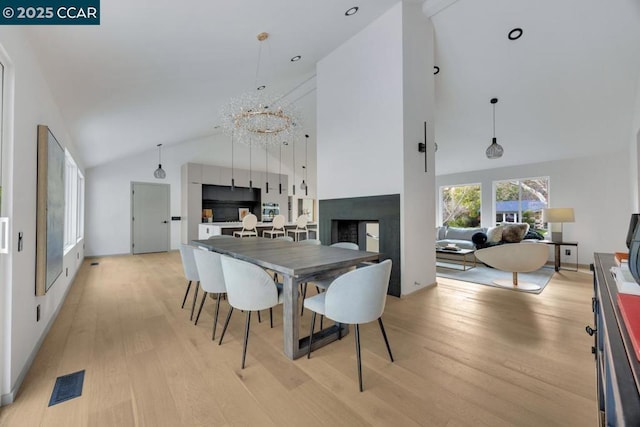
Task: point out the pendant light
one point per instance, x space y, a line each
294 167
304 185
495 150
159 173
233 181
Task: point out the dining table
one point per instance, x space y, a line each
297 263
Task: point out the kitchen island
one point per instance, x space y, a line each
208 229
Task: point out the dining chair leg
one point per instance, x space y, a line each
313 324
259 318
204 296
215 317
384 335
271 317
195 297
357 328
304 295
226 323
246 337
321 319
186 293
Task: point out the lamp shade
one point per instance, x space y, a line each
558 215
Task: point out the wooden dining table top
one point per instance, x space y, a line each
290 258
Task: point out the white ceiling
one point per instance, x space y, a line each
565 89
159 72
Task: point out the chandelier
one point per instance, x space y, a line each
256 119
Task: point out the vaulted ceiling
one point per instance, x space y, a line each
155 73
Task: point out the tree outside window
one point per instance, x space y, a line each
460 205
522 200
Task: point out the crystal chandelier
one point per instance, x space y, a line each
254 118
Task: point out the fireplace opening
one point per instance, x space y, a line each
364 233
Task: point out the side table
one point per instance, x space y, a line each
557 245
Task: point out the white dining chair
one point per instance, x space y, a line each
249 288
310 242
322 285
190 272
277 227
211 281
354 298
301 228
249 223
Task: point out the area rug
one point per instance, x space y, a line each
486 275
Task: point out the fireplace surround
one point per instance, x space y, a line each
345 220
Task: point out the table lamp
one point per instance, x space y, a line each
555 216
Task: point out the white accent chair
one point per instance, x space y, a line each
517 258
249 288
355 298
324 284
277 227
211 281
190 272
301 228
248 227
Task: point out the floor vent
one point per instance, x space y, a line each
67 387
94 264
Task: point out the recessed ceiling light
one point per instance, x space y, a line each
436 70
296 58
262 87
515 34
352 11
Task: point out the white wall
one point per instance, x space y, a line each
108 186
32 105
374 93
359 111
418 252
596 187
634 151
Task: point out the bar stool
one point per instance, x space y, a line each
248 227
277 229
301 228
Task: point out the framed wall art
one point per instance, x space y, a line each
50 210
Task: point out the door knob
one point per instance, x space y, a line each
164 222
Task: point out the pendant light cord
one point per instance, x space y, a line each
494 121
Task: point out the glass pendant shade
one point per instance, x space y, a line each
159 173
495 150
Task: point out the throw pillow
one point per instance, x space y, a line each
479 238
514 233
494 234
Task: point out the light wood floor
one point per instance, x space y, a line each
465 354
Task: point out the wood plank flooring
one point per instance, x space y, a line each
466 355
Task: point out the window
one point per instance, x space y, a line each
521 200
460 205
74 203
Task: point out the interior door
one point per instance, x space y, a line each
149 217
